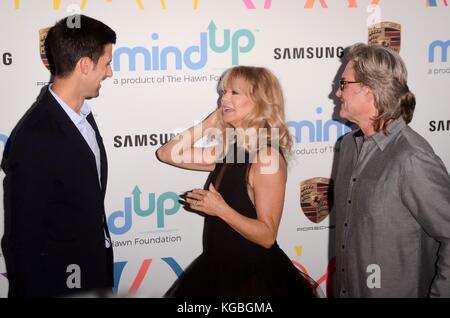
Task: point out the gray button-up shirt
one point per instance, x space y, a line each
392 205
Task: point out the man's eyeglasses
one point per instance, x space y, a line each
342 83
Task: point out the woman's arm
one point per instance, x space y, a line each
268 184
180 150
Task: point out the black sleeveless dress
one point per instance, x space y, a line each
231 265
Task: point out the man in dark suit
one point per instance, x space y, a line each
56 241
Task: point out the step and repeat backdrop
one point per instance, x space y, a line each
154 94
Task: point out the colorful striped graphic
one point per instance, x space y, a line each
433 3
57 4
140 276
250 5
142 273
325 278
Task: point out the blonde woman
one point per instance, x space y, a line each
244 195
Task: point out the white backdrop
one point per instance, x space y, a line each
147 100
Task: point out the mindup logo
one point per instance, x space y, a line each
163 205
318 130
193 57
444 48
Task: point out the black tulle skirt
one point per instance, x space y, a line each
270 276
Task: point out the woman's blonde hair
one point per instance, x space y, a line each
264 89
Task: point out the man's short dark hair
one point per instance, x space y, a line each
67 42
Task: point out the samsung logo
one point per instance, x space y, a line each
6 58
440 125
300 53
143 140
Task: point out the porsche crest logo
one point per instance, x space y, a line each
42 36
386 34
315 198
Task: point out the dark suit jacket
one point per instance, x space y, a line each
54 241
